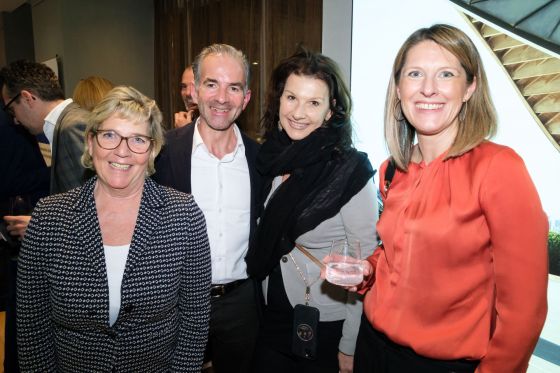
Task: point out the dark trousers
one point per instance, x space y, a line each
274 344
234 323
274 357
375 353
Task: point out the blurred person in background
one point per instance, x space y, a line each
182 118
89 91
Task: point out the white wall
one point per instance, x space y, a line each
380 28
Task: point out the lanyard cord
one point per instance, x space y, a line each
307 285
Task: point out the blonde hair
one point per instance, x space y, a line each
90 91
478 115
127 103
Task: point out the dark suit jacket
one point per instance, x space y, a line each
67 171
173 166
63 299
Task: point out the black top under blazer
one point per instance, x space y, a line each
63 300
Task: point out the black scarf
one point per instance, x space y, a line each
322 180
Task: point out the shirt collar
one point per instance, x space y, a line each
52 118
197 139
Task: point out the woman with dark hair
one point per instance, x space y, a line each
459 283
317 189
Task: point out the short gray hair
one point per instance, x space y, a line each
223 49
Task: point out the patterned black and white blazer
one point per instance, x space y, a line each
63 300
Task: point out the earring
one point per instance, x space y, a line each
463 112
397 112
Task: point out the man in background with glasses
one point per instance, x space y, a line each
32 95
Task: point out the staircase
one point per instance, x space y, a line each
535 73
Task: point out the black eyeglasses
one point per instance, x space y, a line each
7 107
109 140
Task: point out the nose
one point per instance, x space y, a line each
299 111
429 87
221 95
189 89
122 150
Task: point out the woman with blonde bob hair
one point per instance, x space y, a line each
459 281
115 275
89 91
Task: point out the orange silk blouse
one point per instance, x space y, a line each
463 270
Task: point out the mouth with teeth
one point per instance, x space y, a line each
120 166
220 110
428 106
296 125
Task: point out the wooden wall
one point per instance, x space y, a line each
265 30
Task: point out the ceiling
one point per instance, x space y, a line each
9 5
535 20
536 75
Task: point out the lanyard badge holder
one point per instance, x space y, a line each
306 320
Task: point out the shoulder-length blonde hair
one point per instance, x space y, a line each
126 103
477 118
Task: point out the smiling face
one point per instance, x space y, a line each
432 88
220 94
119 170
304 105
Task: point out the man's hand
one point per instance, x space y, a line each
17 225
183 118
345 363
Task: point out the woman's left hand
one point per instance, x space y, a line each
345 363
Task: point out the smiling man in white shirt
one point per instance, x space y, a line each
214 161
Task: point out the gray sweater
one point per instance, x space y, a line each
355 221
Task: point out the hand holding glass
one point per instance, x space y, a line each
345 267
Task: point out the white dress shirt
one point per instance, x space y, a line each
222 190
52 118
115 260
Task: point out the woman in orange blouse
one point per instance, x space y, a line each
459 283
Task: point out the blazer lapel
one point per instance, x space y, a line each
88 230
149 217
181 158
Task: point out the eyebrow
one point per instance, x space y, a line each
234 84
309 98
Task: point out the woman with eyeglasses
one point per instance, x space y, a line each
115 275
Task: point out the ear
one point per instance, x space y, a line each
398 93
28 97
470 90
246 99
90 144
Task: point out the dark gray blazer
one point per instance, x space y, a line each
63 298
67 171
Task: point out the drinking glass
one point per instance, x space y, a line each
20 205
345 267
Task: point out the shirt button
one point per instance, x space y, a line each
284 259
